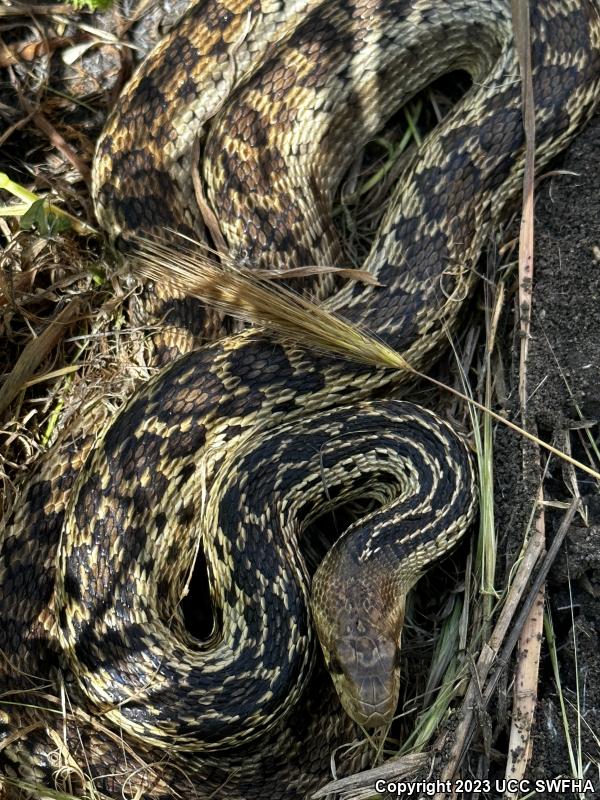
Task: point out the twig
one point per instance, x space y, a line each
539 581
527 667
481 689
60 143
27 9
29 51
525 688
360 785
520 13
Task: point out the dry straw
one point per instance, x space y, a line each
236 290
250 296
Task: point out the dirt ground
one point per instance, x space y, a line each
564 378
563 381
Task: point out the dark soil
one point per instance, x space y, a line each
564 378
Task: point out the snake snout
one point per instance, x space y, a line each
368 682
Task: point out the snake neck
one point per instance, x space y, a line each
376 562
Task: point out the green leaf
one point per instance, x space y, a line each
43 219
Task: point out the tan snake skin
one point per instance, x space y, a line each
239 444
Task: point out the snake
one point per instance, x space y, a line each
236 446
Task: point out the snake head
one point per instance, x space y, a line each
361 645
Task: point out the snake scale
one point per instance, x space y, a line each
236 446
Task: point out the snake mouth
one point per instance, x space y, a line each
366 674
375 704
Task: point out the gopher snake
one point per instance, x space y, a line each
245 440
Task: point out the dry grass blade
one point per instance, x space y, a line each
239 292
350 273
25 8
525 694
361 784
504 638
521 27
208 215
536 585
34 353
527 669
243 294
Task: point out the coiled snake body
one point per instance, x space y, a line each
239 444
